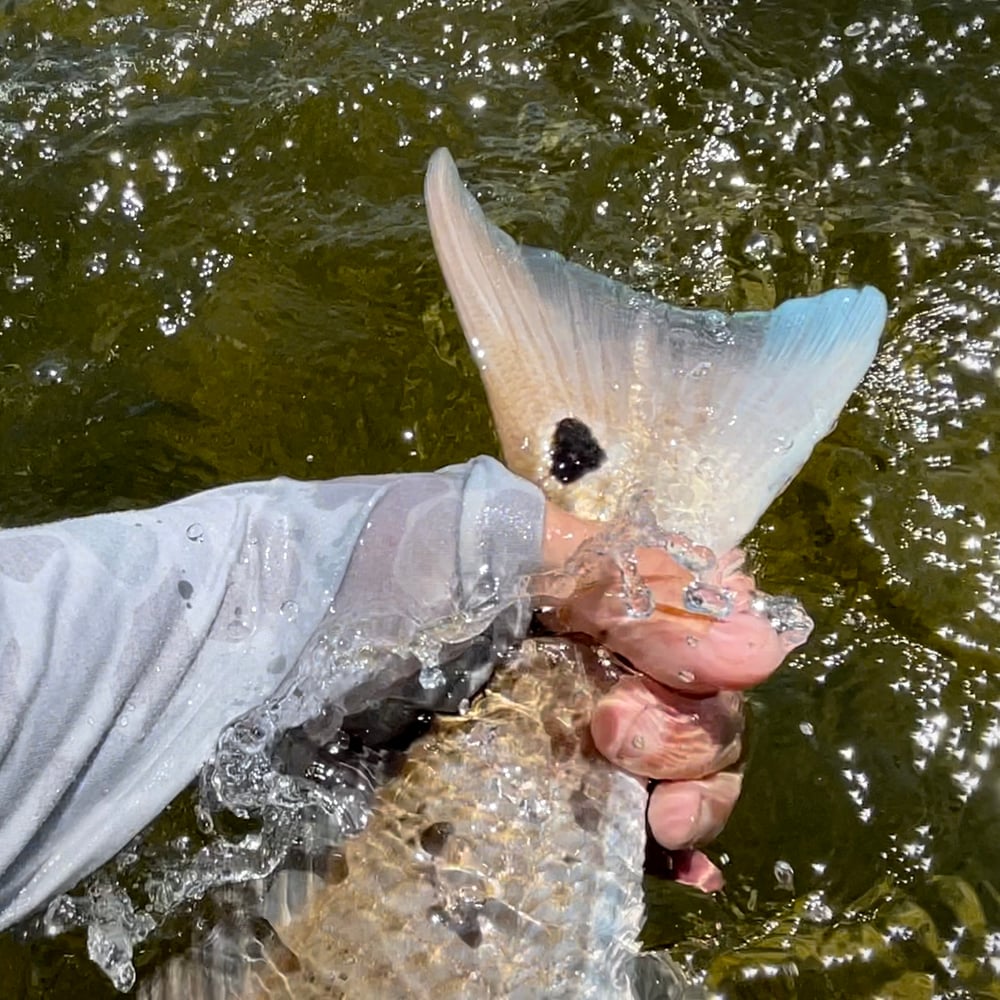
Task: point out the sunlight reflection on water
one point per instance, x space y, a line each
216 267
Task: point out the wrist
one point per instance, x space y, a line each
562 535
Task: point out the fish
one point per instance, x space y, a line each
506 859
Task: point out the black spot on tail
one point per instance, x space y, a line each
575 450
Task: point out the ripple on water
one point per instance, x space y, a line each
214 212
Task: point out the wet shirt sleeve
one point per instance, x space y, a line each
128 641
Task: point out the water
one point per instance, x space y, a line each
215 267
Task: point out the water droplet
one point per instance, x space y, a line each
685 676
786 615
707 599
638 742
195 532
637 596
716 325
697 559
239 628
289 611
784 874
431 677
691 640
782 444
854 29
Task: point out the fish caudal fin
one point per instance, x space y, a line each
599 391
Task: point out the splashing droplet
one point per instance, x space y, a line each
784 874
431 677
786 615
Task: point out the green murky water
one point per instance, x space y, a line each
214 266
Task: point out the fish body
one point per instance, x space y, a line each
505 861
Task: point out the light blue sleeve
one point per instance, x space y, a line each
129 640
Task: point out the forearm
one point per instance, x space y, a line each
129 641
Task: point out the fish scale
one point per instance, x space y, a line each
505 861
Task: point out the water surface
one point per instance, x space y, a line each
214 266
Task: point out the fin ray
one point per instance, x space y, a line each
714 413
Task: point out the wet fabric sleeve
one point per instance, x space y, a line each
129 640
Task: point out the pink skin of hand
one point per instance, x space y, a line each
681 720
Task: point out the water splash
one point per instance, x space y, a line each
114 928
291 774
786 614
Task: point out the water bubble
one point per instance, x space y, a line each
195 532
289 611
61 916
637 596
708 599
717 326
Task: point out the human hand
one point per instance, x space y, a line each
680 719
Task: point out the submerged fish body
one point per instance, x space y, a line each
507 860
